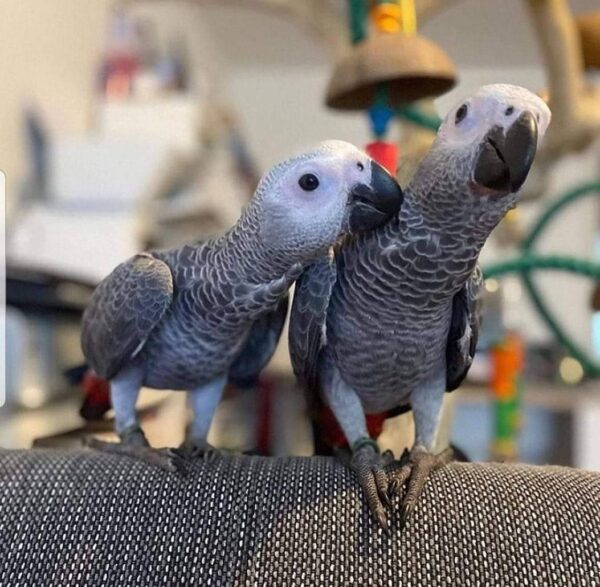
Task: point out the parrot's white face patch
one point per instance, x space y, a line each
323 177
489 142
305 198
493 105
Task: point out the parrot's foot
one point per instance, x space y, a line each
135 445
415 467
369 467
194 450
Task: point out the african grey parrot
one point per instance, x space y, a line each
190 318
389 319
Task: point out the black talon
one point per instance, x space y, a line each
386 499
381 481
382 521
405 513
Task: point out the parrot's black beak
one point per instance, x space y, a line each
505 159
373 204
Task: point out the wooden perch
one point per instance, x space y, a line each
575 107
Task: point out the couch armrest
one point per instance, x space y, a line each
82 517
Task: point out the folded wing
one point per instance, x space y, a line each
464 330
308 320
123 311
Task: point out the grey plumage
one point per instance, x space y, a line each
259 346
308 322
312 305
392 319
130 302
193 317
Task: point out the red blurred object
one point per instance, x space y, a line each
118 82
385 153
265 397
97 397
333 436
121 60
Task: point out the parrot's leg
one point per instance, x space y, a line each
204 402
365 460
124 391
426 404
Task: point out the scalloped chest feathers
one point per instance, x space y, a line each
390 309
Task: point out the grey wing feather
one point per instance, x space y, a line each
308 319
123 311
259 347
464 330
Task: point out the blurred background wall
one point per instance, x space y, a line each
48 51
260 74
273 71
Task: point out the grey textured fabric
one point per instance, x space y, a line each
82 518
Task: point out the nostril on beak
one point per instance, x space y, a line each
375 203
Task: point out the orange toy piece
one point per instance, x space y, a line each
395 17
506 385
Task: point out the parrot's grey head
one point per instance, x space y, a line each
496 132
312 199
484 150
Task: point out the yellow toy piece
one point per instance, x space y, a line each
395 17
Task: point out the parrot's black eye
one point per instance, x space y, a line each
509 110
461 113
308 182
360 166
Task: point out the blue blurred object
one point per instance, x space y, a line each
380 116
37 141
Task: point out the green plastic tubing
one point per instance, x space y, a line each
357 10
530 262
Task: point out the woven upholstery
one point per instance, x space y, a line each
83 518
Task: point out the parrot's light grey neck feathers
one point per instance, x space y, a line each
447 202
244 248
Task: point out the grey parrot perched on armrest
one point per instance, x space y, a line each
389 319
190 318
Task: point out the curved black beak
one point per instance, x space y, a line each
505 159
373 204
